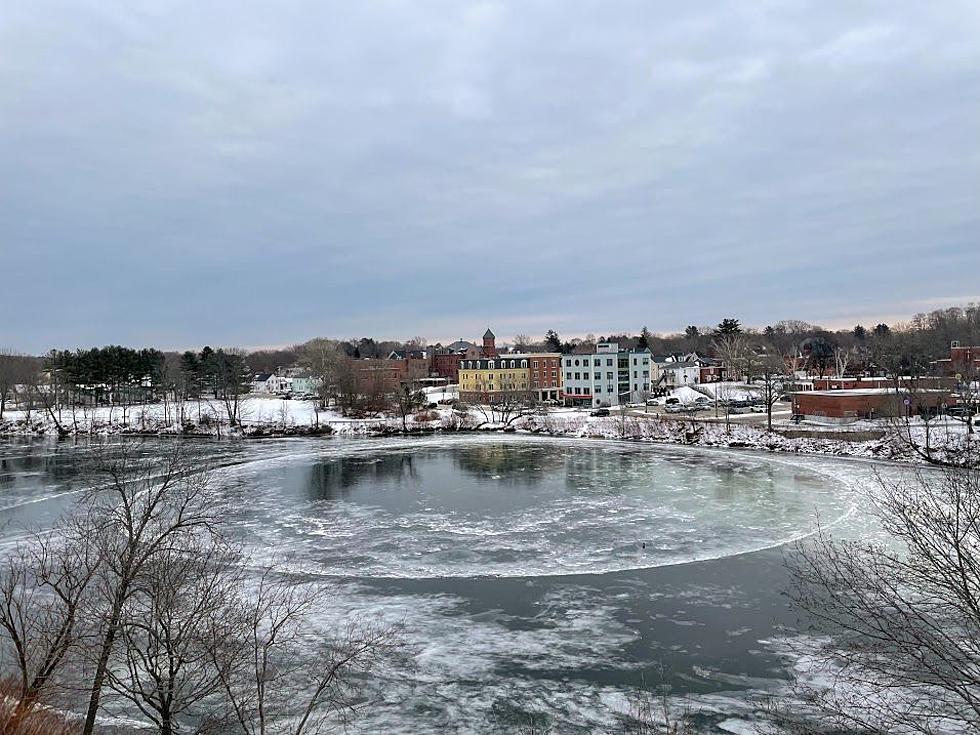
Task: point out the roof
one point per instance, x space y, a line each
672 365
489 335
460 345
860 392
261 377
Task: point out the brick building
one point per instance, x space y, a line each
544 375
962 361
841 406
934 383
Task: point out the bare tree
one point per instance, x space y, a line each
170 627
142 510
409 401
523 343
902 620
733 350
842 359
43 588
322 358
275 676
772 383
506 407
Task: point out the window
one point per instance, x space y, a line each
490 365
534 364
585 376
578 376
576 363
634 373
609 362
586 391
568 376
609 376
597 362
568 363
598 389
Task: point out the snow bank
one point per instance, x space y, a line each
268 416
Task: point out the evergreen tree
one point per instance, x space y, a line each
553 341
643 343
728 327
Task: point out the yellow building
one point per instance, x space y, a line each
495 378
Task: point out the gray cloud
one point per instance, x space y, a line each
258 173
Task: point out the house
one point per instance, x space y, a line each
304 385
606 377
260 383
675 373
278 384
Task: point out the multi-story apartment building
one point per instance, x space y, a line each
487 380
607 377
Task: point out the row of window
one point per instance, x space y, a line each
492 364
597 362
598 376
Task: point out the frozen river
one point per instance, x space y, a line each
537 579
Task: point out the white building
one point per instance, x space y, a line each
606 377
675 373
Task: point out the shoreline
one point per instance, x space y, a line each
891 447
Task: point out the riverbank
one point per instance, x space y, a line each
274 418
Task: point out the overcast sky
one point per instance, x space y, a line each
258 173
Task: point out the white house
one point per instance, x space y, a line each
674 373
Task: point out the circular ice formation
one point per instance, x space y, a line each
497 506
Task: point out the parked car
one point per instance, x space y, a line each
672 401
740 409
600 412
655 401
962 411
757 408
676 408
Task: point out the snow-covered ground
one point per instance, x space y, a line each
269 415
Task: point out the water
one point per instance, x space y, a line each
535 578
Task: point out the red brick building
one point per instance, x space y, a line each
859 383
963 361
839 406
545 375
445 364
